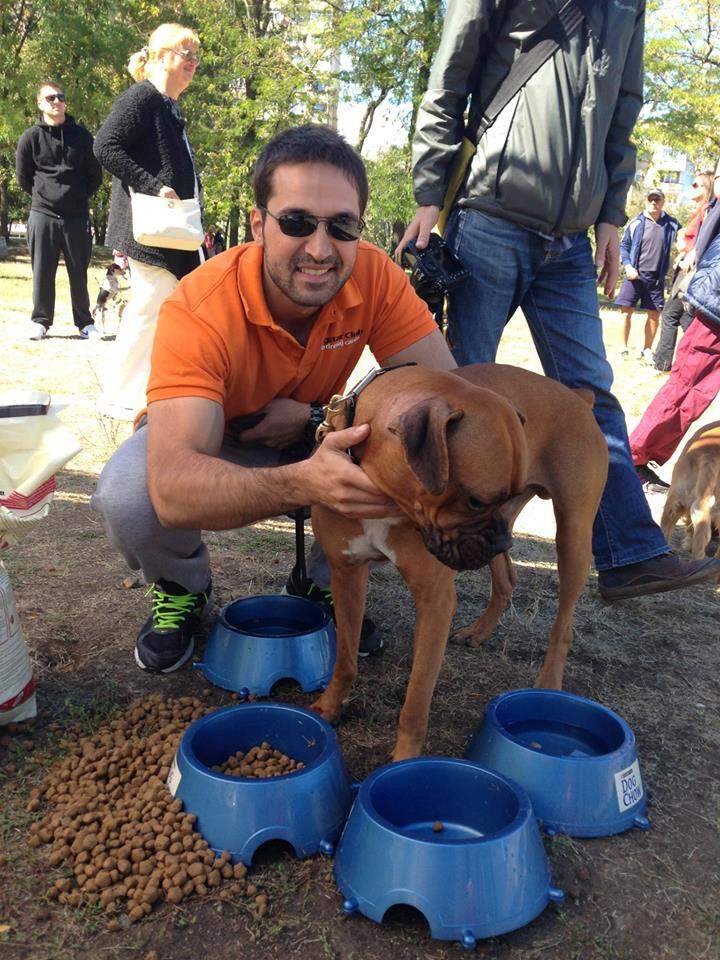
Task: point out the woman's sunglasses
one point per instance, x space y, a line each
52 97
305 224
189 56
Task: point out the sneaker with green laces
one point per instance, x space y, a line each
371 641
167 638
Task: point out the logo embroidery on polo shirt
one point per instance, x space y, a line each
345 339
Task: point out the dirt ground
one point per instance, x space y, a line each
638 896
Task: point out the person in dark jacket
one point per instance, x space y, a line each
694 380
144 145
557 161
645 251
56 166
676 313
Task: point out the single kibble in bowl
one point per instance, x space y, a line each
438 826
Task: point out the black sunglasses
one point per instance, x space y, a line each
305 225
52 97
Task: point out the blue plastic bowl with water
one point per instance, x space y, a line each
453 840
257 641
306 809
576 758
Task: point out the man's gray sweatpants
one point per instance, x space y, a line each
123 500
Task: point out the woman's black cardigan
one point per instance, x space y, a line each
141 144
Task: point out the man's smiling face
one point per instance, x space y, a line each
306 272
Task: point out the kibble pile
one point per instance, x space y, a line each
259 763
123 842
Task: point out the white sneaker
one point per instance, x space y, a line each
624 353
648 357
90 332
38 330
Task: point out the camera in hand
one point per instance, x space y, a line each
434 271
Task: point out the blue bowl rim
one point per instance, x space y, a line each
189 755
524 813
318 608
491 718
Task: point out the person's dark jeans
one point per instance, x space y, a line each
674 315
556 289
47 237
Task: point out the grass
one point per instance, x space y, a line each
633 897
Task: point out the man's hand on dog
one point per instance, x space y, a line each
334 481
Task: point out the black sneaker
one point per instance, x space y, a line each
657 575
650 479
370 639
167 640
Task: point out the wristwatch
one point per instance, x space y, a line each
317 415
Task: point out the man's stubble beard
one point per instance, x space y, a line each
286 279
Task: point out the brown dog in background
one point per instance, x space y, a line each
694 494
461 454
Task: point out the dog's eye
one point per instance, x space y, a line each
476 504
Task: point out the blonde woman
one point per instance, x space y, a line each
144 146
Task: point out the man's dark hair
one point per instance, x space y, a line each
310 143
48 83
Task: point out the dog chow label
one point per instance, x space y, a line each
629 786
173 780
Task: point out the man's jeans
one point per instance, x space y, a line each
510 268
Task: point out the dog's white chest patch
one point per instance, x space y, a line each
372 544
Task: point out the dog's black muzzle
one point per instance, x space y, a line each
471 547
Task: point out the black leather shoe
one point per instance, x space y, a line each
657 575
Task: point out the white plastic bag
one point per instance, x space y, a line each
34 445
17 684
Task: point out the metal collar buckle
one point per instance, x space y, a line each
346 403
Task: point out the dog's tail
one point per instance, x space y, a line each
706 487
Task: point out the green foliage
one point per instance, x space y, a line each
682 66
391 204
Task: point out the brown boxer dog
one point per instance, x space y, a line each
460 454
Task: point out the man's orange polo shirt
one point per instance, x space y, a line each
216 339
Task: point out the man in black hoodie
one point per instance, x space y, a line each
56 165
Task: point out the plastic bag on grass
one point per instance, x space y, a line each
17 684
34 445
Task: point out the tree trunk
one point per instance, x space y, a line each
248 228
233 225
3 208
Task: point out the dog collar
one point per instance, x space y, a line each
347 402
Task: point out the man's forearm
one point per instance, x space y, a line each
200 492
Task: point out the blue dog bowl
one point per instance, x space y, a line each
257 641
484 873
576 759
306 809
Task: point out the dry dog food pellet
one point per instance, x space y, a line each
438 826
259 763
112 824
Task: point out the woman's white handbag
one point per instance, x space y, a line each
161 222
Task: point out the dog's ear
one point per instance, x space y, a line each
423 432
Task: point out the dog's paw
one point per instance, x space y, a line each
328 709
406 751
473 635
